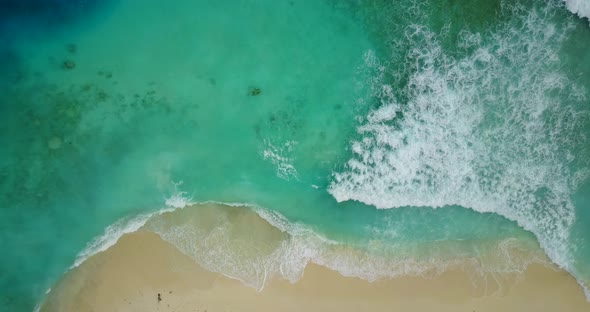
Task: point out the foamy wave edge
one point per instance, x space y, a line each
579 7
306 246
114 231
406 172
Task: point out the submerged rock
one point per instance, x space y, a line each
72 48
69 64
253 91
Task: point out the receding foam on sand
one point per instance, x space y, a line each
130 275
142 266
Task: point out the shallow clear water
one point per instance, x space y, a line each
318 110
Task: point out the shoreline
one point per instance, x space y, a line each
130 275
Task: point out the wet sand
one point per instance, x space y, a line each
131 275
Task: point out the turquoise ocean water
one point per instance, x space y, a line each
385 137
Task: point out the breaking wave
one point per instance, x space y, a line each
579 7
494 129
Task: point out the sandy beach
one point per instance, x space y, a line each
144 273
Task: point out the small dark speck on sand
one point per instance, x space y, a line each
159 297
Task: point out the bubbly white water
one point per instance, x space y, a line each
279 156
579 7
450 147
493 130
257 247
115 231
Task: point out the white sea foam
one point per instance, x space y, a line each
493 130
255 248
110 237
579 7
260 244
220 244
279 156
225 242
437 154
113 232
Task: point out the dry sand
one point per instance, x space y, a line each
130 275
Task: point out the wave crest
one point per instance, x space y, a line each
579 7
475 132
